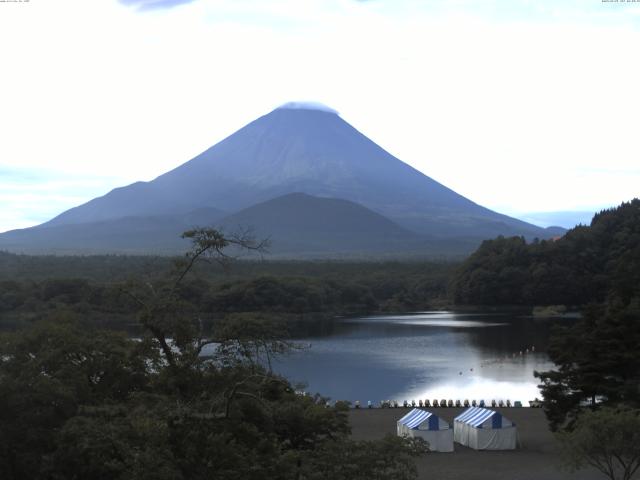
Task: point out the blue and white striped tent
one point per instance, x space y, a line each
484 429
427 425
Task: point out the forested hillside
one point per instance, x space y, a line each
577 269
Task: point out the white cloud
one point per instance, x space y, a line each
516 114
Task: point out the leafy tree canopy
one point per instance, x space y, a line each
608 440
597 360
577 269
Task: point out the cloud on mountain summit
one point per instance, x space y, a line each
154 4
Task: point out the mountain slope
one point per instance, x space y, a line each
298 226
150 235
303 150
302 224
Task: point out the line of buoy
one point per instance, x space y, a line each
500 360
448 403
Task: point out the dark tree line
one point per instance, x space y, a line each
107 269
598 362
577 269
322 292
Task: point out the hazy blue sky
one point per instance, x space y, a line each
522 106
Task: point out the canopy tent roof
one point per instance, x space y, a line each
417 418
478 417
423 424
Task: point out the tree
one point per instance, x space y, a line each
47 373
598 362
577 269
173 324
607 439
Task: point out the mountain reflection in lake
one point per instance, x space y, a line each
426 355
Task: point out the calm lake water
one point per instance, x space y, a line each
424 355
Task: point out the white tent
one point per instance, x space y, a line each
430 427
483 429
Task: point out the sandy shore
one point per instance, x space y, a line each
536 459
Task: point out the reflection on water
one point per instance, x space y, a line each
426 355
427 319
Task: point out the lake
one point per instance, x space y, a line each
424 355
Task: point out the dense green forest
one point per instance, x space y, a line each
598 361
32 287
117 268
577 269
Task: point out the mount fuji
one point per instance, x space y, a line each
300 149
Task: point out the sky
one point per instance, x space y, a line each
520 105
